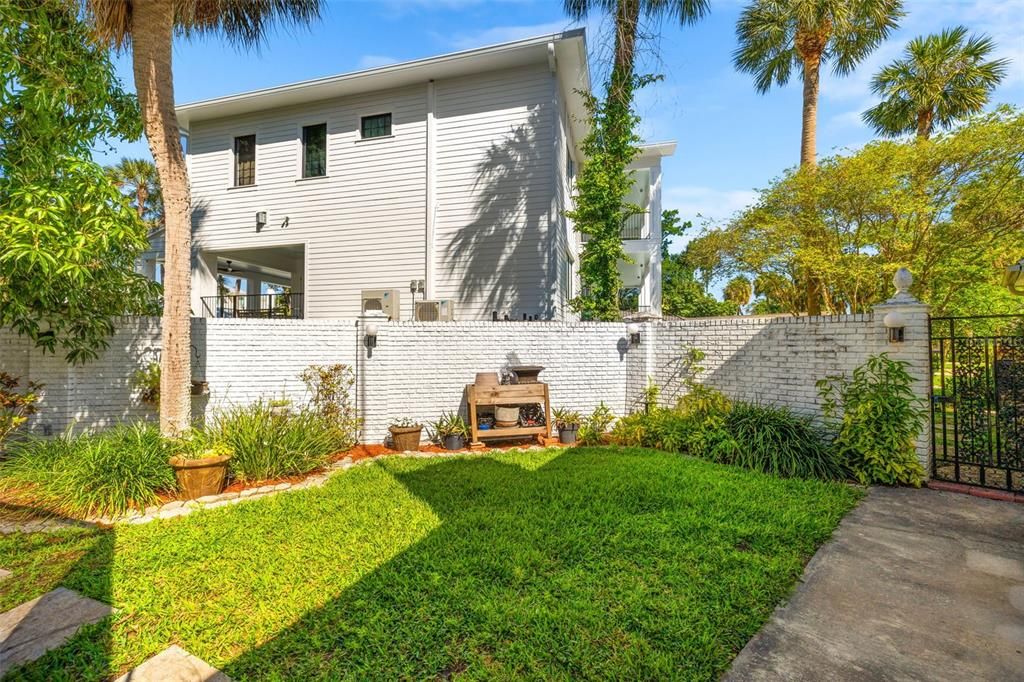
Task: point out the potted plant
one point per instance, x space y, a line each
451 430
405 434
280 407
568 423
200 468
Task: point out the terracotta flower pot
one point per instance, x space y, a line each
405 437
200 477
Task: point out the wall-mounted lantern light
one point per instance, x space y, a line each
633 330
1015 278
261 220
895 322
370 340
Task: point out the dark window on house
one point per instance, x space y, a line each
376 126
314 151
245 160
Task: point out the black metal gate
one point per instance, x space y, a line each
977 409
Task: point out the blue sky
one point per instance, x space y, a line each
731 139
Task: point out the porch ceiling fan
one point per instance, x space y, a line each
227 270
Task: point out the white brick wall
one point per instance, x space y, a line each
418 370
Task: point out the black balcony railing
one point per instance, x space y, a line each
265 306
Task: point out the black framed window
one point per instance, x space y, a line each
376 126
245 160
314 151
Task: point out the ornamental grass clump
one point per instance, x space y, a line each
266 445
88 474
776 441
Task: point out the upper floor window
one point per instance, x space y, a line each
376 126
245 160
314 151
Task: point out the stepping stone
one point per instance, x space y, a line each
4 574
30 630
174 664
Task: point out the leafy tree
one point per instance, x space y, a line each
682 295
137 178
147 26
941 79
68 239
950 211
776 35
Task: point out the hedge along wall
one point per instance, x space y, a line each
418 370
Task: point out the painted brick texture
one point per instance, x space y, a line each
418 370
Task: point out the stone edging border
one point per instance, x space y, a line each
177 508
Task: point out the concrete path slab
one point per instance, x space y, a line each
915 585
30 630
174 664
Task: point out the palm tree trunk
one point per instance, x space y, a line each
152 23
809 154
627 19
809 134
141 196
924 124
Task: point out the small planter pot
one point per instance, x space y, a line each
454 442
200 477
405 437
506 417
568 436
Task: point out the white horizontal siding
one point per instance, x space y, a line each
495 185
362 225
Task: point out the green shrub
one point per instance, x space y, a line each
877 418
776 441
266 446
105 473
331 389
594 427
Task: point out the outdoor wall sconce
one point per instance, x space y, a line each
370 340
895 322
633 330
261 220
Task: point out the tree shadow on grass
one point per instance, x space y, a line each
581 568
77 559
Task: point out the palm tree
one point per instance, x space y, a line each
148 27
627 23
738 290
940 79
776 35
139 178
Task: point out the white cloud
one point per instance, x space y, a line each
369 61
504 34
706 204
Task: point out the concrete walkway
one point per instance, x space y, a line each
915 585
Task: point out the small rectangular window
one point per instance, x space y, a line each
245 160
376 126
314 151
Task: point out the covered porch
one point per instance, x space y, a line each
262 283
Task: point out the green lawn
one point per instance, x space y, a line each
556 564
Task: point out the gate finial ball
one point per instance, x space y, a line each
902 281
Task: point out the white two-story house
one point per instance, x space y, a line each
443 179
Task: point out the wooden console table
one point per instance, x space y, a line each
508 394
